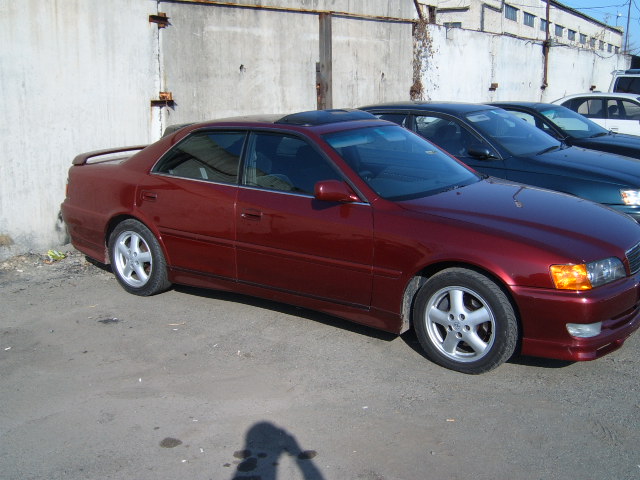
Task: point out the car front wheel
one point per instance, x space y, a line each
137 260
464 321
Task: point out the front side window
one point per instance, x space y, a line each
212 156
576 125
398 164
514 134
629 110
511 13
284 163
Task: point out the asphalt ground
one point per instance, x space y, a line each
96 383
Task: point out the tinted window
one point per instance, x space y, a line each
513 133
399 118
285 163
447 134
398 164
210 156
627 85
591 108
572 123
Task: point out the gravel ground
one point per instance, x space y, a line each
195 384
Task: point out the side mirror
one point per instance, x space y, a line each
334 191
481 152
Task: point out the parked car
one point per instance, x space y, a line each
572 128
497 143
618 112
344 213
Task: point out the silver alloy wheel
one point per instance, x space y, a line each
460 324
133 259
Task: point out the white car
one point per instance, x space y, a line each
618 112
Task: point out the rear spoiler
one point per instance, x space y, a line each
83 157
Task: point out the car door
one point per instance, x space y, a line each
190 197
451 135
288 240
623 116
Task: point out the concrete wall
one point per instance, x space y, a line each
463 64
79 75
69 83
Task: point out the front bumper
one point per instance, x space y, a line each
545 313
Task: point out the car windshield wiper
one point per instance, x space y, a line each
601 134
550 149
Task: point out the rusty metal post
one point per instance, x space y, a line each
324 74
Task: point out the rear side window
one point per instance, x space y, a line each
208 156
591 108
627 85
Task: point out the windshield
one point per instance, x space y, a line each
397 164
573 123
512 133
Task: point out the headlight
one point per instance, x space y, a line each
630 197
586 276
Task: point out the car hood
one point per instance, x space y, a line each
562 223
582 162
612 139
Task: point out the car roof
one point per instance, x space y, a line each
310 118
530 105
443 107
629 96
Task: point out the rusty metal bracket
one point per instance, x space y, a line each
165 99
161 19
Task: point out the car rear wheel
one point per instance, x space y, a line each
137 260
464 321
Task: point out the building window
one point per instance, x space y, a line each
543 25
601 45
559 30
511 13
529 19
583 39
592 43
571 34
610 48
452 24
617 50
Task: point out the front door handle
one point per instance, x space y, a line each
251 214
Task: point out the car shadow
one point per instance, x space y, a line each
287 309
411 340
409 337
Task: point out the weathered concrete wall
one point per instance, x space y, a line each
462 65
372 61
79 75
75 76
220 62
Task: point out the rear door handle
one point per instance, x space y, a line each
251 214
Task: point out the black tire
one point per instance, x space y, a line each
464 321
137 259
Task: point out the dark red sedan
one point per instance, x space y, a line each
357 217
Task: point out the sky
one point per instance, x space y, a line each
615 13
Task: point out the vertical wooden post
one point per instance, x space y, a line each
324 74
